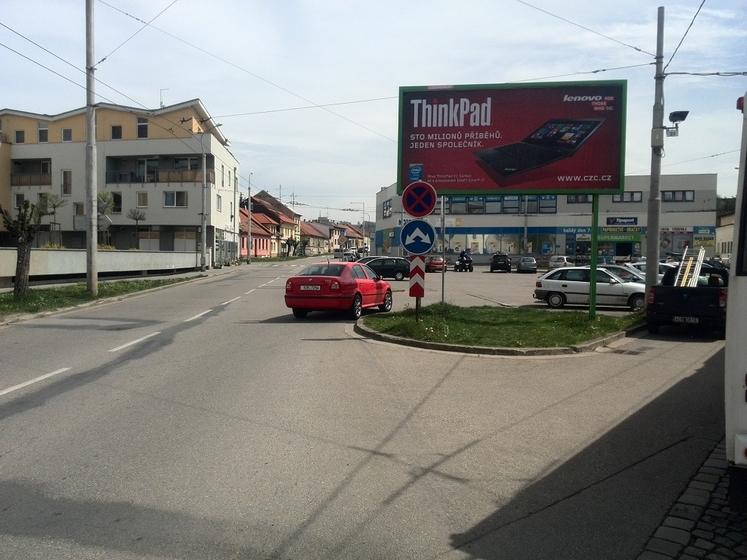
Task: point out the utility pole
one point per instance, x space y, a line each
657 148
92 276
249 223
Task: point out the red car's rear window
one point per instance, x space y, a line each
323 269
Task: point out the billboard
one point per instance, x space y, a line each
566 137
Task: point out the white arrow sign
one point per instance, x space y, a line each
418 235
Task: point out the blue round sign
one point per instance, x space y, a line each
418 237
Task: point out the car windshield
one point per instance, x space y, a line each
323 269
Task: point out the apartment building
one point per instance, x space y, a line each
163 169
544 225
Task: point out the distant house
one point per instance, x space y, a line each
261 237
314 240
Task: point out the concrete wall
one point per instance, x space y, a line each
72 261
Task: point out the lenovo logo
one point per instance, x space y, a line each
583 98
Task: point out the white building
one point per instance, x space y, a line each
561 224
149 161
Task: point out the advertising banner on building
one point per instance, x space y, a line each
513 139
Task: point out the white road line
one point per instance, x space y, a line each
249 292
230 300
134 342
32 381
197 316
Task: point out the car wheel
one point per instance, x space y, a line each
398 276
299 313
637 302
357 308
470 268
555 300
387 305
653 328
508 271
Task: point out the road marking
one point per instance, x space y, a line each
134 342
197 316
32 381
230 300
250 291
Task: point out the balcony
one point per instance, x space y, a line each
182 176
31 180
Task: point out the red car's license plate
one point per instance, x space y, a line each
310 288
691 320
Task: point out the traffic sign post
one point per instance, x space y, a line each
419 199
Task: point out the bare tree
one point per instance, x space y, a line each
138 216
25 227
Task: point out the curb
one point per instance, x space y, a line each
590 346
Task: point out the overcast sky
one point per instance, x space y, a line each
307 90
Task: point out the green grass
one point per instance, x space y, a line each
49 299
499 327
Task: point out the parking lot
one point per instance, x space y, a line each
481 287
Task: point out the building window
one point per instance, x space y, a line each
20 136
175 199
511 205
222 175
386 209
579 198
219 203
116 202
532 206
117 132
493 204
43 202
79 209
548 204
142 127
46 166
19 199
43 133
185 163
628 196
677 196
67 134
458 204
142 199
475 205
67 182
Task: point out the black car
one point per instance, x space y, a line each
390 267
500 261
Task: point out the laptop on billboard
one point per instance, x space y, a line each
556 139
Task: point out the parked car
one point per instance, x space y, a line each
349 256
337 286
500 261
663 267
526 264
559 261
435 263
391 267
572 284
364 260
624 272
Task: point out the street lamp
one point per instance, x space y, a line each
363 221
203 216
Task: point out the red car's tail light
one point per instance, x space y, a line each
722 299
538 284
288 286
651 296
334 285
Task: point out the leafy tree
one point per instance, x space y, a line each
55 201
25 227
138 216
105 202
290 245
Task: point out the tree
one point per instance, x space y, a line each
105 204
55 201
138 216
290 245
24 227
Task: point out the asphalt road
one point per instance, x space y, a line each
204 421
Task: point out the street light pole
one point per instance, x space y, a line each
249 223
363 221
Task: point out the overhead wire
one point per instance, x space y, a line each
684 35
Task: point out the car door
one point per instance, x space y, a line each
610 290
575 285
366 285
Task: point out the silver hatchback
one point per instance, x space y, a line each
572 285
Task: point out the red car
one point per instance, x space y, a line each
435 264
337 286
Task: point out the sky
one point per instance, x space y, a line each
307 90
